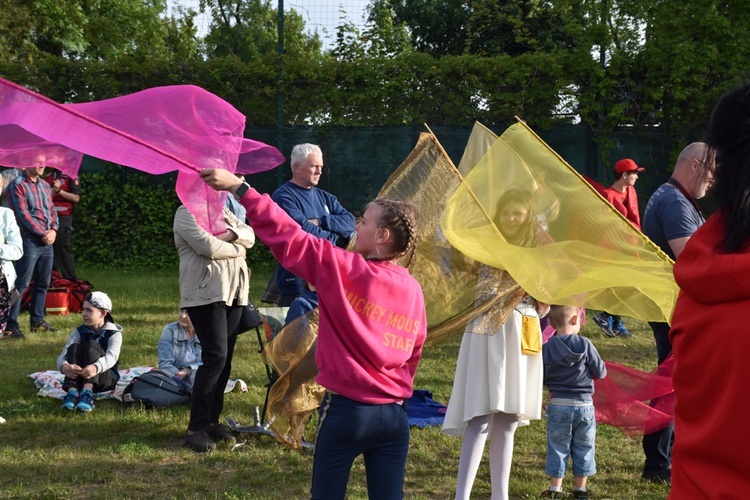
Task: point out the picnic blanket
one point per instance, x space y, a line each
49 383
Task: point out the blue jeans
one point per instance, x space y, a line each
36 264
571 432
347 429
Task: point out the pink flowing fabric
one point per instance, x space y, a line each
634 401
158 130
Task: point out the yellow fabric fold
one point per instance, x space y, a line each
593 257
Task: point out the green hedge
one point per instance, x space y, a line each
124 220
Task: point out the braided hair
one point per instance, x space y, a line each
401 219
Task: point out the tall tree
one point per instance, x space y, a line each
437 27
104 30
248 29
382 35
515 27
16 24
663 62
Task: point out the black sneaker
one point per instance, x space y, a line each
664 476
43 327
219 432
13 332
582 495
552 494
199 441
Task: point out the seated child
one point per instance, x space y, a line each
179 349
571 364
89 358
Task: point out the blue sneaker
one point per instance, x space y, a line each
70 400
605 322
86 403
620 329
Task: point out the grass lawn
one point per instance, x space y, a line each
120 452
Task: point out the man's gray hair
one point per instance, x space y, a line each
300 152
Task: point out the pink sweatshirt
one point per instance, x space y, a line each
372 314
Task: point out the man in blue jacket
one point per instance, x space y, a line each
315 210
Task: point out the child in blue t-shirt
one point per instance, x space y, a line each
571 364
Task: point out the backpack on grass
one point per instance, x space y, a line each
156 389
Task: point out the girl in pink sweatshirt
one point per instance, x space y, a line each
372 328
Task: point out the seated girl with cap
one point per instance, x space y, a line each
89 358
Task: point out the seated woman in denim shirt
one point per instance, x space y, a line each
180 350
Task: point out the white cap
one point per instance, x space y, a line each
100 300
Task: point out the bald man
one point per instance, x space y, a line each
670 219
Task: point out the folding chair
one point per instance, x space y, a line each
273 317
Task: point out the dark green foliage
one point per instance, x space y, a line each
409 89
124 220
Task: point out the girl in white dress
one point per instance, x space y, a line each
496 386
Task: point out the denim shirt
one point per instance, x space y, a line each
176 349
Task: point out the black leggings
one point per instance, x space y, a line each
216 326
84 355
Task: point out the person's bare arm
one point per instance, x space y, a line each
677 245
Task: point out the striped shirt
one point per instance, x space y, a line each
32 204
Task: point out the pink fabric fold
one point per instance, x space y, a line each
635 401
158 130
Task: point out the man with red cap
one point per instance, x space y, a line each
622 196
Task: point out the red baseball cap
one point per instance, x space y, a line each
627 165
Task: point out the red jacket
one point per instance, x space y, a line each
711 345
626 203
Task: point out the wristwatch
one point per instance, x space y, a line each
244 188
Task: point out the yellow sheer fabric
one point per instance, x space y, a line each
593 258
295 394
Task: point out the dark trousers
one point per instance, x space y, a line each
64 261
347 429
216 326
84 355
657 446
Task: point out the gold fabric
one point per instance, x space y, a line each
449 279
593 258
295 394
